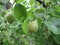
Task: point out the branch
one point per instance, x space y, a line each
42 3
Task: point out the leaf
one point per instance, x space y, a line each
30 14
56 22
32 2
20 11
25 25
46 2
49 11
18 1
53 25
57 38
39 13
55 1
50 41
57 9
1 7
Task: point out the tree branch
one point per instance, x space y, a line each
42 3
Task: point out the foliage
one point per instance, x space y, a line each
14 22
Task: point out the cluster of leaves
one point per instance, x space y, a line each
14 22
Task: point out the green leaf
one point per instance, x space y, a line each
49 11
18 1
46 2
32 2
25 25
1 7
57 38
30 14
55 1
20 11
57 9
39 13
56 22
53 25
50 41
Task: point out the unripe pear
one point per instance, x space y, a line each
33 26
10 18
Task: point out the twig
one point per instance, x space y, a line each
42 2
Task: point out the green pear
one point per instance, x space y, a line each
33 26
